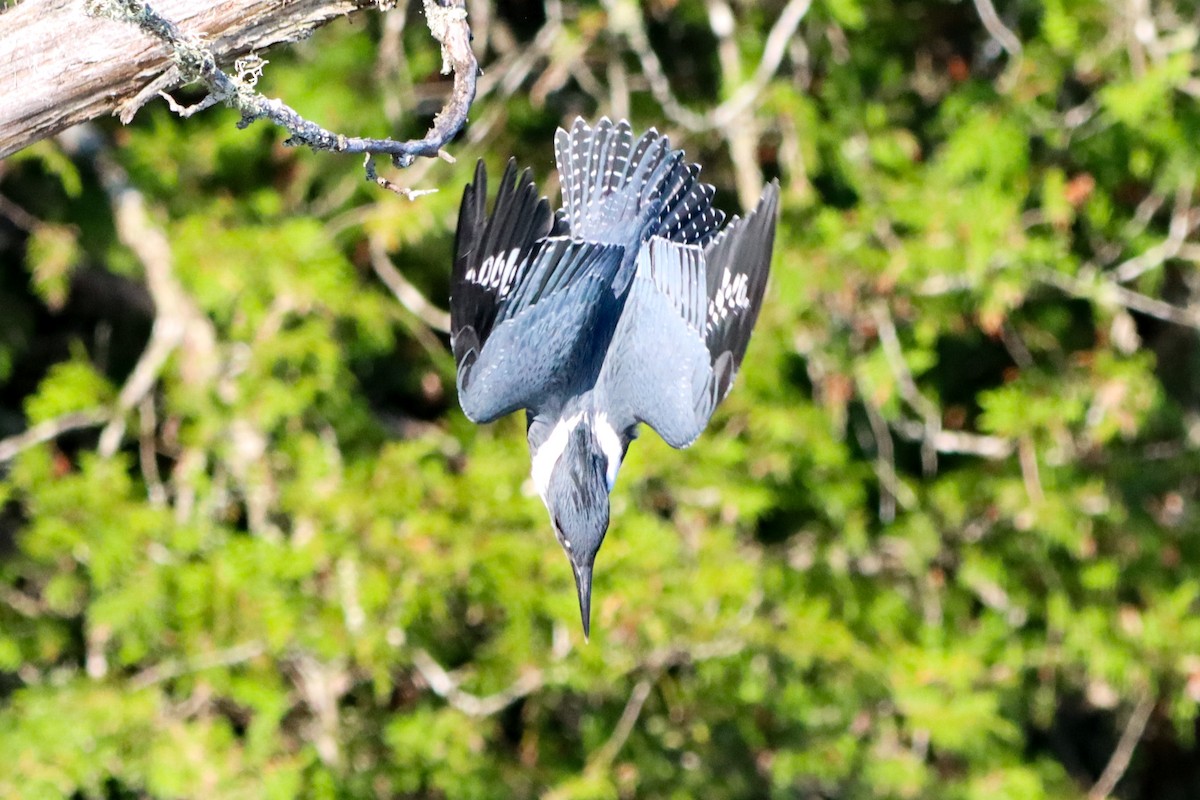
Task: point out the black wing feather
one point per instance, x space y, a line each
738 263
491 252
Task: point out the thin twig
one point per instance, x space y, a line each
991 21
885 461
153 250
605 754
403 191
508 74
148 452
322 686
177 668
618 89
18 216
956 442
50 429
447 21
1101 290
1003 36
445 686
24 604
1183 222
889 339
409 296
628 23
778 39
1123 753
391 67
742 138
653 666
1027 456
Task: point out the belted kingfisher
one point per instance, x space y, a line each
629 305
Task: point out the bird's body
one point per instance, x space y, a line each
628 306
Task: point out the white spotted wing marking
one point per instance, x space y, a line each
610 445
547 456
732 296
498 272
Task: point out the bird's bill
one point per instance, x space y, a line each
583 585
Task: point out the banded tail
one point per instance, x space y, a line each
619 191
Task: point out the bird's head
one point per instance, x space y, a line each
574 483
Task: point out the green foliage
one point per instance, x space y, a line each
938 543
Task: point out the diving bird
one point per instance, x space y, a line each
631 304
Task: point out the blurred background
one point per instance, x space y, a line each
940 541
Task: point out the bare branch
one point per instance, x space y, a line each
1100 290
148 452
57 68
18 216
322 686
885 461
444 685
174 313
176 668
604 756
1123 753
403 191
1027 457
742 138
447 21
510 72
957 442
409 296
1184 220
780 37
626 21
24 604
894 353
48 430
995 27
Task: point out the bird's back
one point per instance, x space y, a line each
624 192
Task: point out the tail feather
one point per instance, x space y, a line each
616 190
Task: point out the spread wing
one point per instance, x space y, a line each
533 347
520 301
491 251
738 262
686 326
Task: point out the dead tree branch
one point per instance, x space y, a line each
608 751
630 26
444 685
60 67
177 322
176 668
409 296
197 63
48 430
1123 754
1089 285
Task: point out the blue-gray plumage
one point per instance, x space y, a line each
629 305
